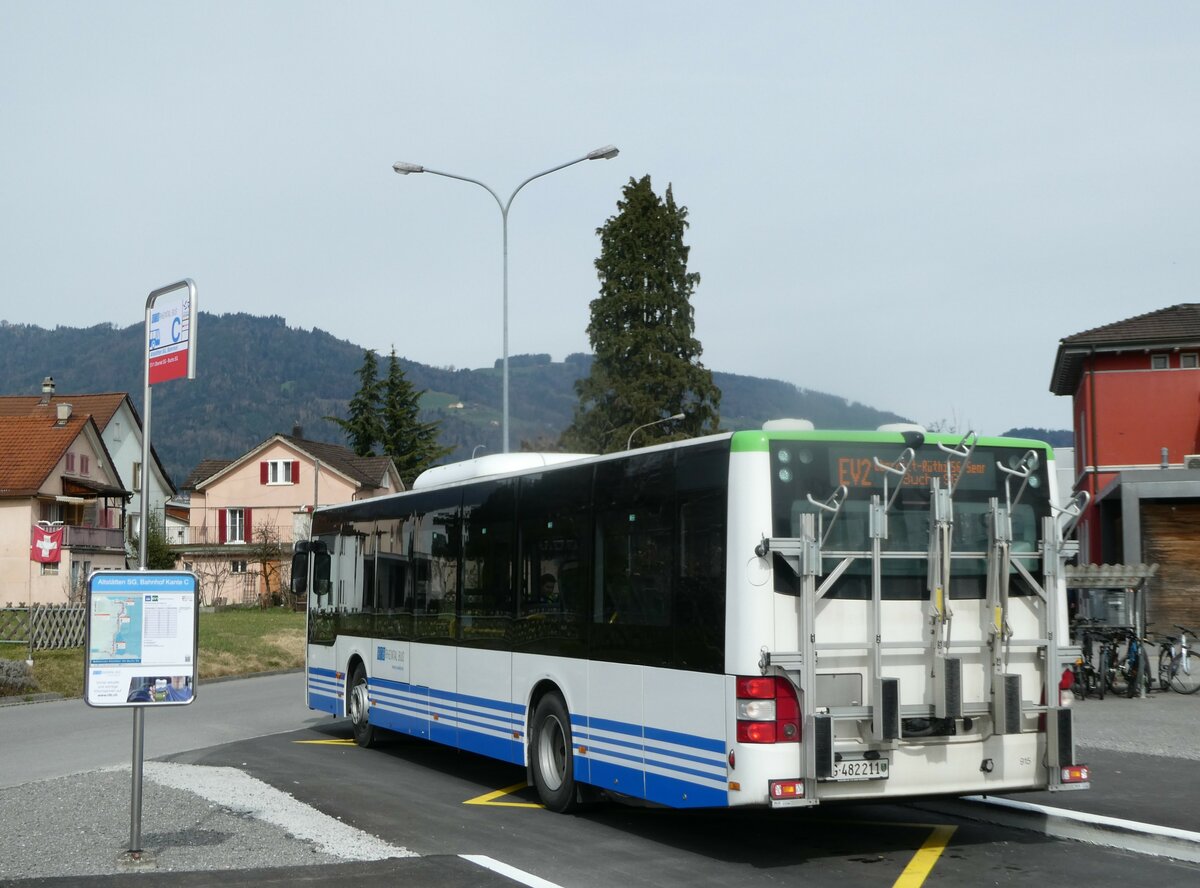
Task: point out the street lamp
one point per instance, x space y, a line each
647 425
605 153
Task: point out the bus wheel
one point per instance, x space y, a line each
358 705
551 757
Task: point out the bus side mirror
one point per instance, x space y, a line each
321 567
299 583
321 571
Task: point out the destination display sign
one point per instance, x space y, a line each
857 470
142 637
823 466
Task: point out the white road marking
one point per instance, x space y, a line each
510 872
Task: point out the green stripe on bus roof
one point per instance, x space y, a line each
759 441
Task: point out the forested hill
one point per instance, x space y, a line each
257 376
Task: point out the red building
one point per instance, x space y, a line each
1135 389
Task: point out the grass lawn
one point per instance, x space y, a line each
235 641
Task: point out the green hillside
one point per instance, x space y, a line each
257 376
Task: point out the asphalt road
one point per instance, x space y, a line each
46 740
450 808
436 801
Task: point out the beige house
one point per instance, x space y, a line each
121 428
246 513
62 505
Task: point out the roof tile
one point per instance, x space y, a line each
30 448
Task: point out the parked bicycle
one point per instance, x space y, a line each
1088 680
1128 672
1177 668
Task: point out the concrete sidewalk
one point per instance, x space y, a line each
1144 756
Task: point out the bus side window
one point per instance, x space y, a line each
701 504
488 520
634 559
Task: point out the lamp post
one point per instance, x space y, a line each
403 168
647 425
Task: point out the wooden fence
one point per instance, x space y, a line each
42 627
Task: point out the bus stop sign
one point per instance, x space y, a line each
142 637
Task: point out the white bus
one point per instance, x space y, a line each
777 617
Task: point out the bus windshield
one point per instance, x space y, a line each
801 468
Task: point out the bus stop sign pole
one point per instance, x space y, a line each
170 339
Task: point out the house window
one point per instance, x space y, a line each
235 526
71 463
1189 361
279 471
83 464
1159 362
137 476
50 569
237 567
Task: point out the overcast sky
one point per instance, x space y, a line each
905 204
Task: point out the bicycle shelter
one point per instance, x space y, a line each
1093 585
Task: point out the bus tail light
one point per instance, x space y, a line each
782 790
768 710
1075 774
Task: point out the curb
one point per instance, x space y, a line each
23 699
1094 829
29 699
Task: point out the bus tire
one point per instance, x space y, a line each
358 708
551 758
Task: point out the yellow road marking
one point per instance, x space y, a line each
489 798
326 742
913 876
927 855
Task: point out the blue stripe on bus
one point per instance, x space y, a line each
487 702
324 703
619 778
683 794
718 761
657 757
485 726
596 738
708 744
693 741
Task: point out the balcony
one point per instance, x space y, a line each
76 537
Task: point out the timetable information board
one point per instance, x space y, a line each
142 637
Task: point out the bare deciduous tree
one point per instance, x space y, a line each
266 549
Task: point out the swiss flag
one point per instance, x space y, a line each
47 545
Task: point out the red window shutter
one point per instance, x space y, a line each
262 472
295 471
247 534
220 525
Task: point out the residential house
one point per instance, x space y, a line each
62 506
121 428
1135 389
246 513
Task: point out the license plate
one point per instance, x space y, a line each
860 769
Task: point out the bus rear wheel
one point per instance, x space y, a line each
551 758
358 707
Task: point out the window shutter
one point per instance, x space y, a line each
247 533
262 472
295 471
220 525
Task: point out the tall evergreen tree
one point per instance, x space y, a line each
364 426
412 444
647 365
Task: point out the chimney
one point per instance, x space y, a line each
47 390
64 413
297 431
